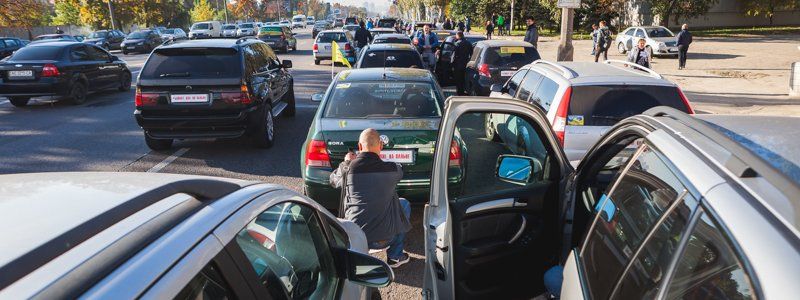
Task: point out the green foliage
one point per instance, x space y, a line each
202 11
767 8
67 12
675 9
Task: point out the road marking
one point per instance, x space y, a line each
4 102
168 160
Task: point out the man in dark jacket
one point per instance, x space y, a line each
603 41
461 55
363 36
684 40
371 199
461 26
532 34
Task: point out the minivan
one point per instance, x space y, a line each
207 29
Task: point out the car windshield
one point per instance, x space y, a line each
138 35
380 99
298 19
37 53
386 23
200 26
168 31
328 37
608 104
229 27
391 58
246 25
392 40
193 63
99 34
659 32
510 56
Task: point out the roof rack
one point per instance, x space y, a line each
567 73
245 38
652 73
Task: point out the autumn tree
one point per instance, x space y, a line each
202 11
767 8
67 12
676 9
22 13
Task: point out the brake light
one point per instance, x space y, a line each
483 70
50 70
560 122
242 97
316 47
689 108
455 155
347 47
145 99
317 155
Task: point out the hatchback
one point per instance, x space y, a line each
494 61
323 45
229 30
279 38
142 41
389 56
245 29
658 39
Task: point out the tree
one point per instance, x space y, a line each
767 8
22 13
201 11
680 8
67 12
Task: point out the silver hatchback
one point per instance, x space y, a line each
323 45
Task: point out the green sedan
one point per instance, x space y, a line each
404 105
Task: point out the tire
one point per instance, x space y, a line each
264 135
621 48
157 144
125 82
19 101
489 129
316 61
77 93
291 107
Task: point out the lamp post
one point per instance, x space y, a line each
111 14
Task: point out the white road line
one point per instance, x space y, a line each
168 160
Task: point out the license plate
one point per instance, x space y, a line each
507 73
131 47
398 156
327 47
189 98
23 73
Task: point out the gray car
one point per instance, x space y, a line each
583 100
665 206
323 45
164 236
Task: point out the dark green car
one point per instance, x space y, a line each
404 105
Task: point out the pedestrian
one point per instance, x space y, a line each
59 31
639 54
489 30
370 25
468 24
461 55
363 36
448 25
684 40
532 33
427 42
370 198
461 26
603 41
501 25
594 38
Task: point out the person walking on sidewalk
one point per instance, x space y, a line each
639 54
501 24
532 33
594 38
489 30
684 40
603 41
468 24
370 198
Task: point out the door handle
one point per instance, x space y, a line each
520 231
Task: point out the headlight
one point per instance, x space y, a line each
662 45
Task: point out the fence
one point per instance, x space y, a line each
22 33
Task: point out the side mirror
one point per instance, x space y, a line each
498 88
517 169
368 271
317 97
286 64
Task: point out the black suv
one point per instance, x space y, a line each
8 45
494 61
218 88
63 69
142 41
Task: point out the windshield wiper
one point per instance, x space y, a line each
179 74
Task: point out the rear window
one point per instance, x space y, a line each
391 58
607 105
37 53
510 55
193 63
386 23
328 37
392 40
383 99
271 30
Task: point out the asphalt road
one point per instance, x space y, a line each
102 135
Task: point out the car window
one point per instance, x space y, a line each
629 31
545 93
193 63
495 134
528 86
269 55
391 59
476 53
289 253
395 99
513 83
37 52
200 26
253 60
208 284
639 198
327 37
647 272
605 105
340 238
79 53
659 32
97 54
2 44
510 56
398 40
639 33
10 43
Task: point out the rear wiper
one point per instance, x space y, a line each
180 74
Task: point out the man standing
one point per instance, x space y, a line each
448 25
468 24
369 24
489 30
370 197
594 38
684 40
461 55
639 54
363 37
532 34
461 26
501 24
603 40
427 42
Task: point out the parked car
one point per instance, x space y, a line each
167 236
46 38
389 56
659 40
246 29
387 23
443 34
208 29
322 48
404 105
279 38
286 23
584 100
67 70
338 23
494 61
251 86
319 26
106 39
665 205
8 45
173 34
142 41
229 30
391 38
444 67
350 21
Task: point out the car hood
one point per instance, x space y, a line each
665 39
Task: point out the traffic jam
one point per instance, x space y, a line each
534 179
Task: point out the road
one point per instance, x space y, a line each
102 135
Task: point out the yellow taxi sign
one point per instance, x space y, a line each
512 50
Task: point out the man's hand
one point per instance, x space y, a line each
350 156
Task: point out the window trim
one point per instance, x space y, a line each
535 87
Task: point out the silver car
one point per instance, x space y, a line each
229 30
165 236
323 45
659 40
246 29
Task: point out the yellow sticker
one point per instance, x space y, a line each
512 50
343 124
575 120
343 85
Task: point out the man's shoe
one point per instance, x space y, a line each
394 263
378 250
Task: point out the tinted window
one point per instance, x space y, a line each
99 34
197 62
629 31
476 52
510 56
10 43
514 81
79 54
3 43
545 93
709 268
200 26
253 59
269 55
392 40
659 32
139 35
37 53
97 54
625 217
529 85
390 58
606 105
208 284
383 99
328 37
386 23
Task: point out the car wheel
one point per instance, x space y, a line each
77 93
489 128
316 61
291 108
19 101
621 48
264 135
157 144
125 82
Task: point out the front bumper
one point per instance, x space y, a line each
34 88
160 124
134 48
669 50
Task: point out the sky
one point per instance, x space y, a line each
381 5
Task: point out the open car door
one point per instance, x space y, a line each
492 232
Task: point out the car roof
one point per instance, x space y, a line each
392 35
373 74
381 47
53 43
501 43
588 73
211 43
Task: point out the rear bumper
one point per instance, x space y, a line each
163 125
482 85
37 88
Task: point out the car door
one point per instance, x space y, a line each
491 233
84 63
471 72
108 70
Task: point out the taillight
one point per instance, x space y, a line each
50 70
347 47
242 97
455 154
560 122
145 99
316 47
317 154
483 70
689 108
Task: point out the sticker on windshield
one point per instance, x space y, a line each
343 85
391 58
390 85
575 120
512 50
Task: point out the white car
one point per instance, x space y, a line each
172 34
659 40
246 29
229 30
285 23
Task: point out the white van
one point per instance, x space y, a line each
299 21
310 20
207 29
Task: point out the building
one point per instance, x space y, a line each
726 13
